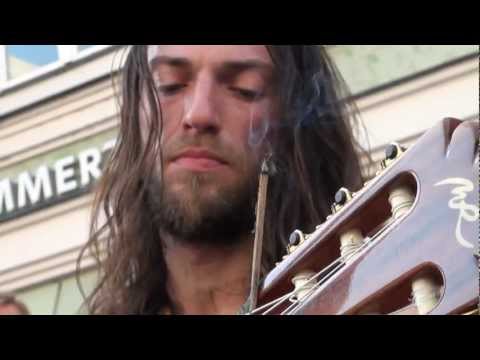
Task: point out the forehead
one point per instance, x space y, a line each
211 53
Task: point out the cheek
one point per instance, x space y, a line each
257 125
173 113
249 129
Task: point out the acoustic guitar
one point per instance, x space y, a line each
406 243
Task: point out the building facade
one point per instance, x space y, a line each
59 119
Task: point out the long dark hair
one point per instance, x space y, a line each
315 155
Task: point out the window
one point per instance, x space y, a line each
22 59
23 63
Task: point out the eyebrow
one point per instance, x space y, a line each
230 66
168 60
244 65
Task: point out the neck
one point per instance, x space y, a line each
207 279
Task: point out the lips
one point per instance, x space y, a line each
198 160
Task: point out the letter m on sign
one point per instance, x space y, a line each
33 188
6 197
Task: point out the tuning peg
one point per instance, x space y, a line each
342 197
392 153
296 238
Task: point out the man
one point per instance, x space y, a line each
11 306
178 194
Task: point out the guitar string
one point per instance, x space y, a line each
283 297
297 303
271 303
313 278
335 265
312 290
368 241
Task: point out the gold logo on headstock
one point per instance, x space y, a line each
467 212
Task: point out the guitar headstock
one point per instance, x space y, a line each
405 243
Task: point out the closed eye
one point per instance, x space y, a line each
246 94
170 89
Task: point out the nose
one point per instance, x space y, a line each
200 113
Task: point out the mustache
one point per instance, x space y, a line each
218 149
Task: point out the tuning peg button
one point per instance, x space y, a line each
392 152
295 239
342 197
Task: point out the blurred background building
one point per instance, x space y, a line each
59 118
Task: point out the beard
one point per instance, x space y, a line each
196 208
